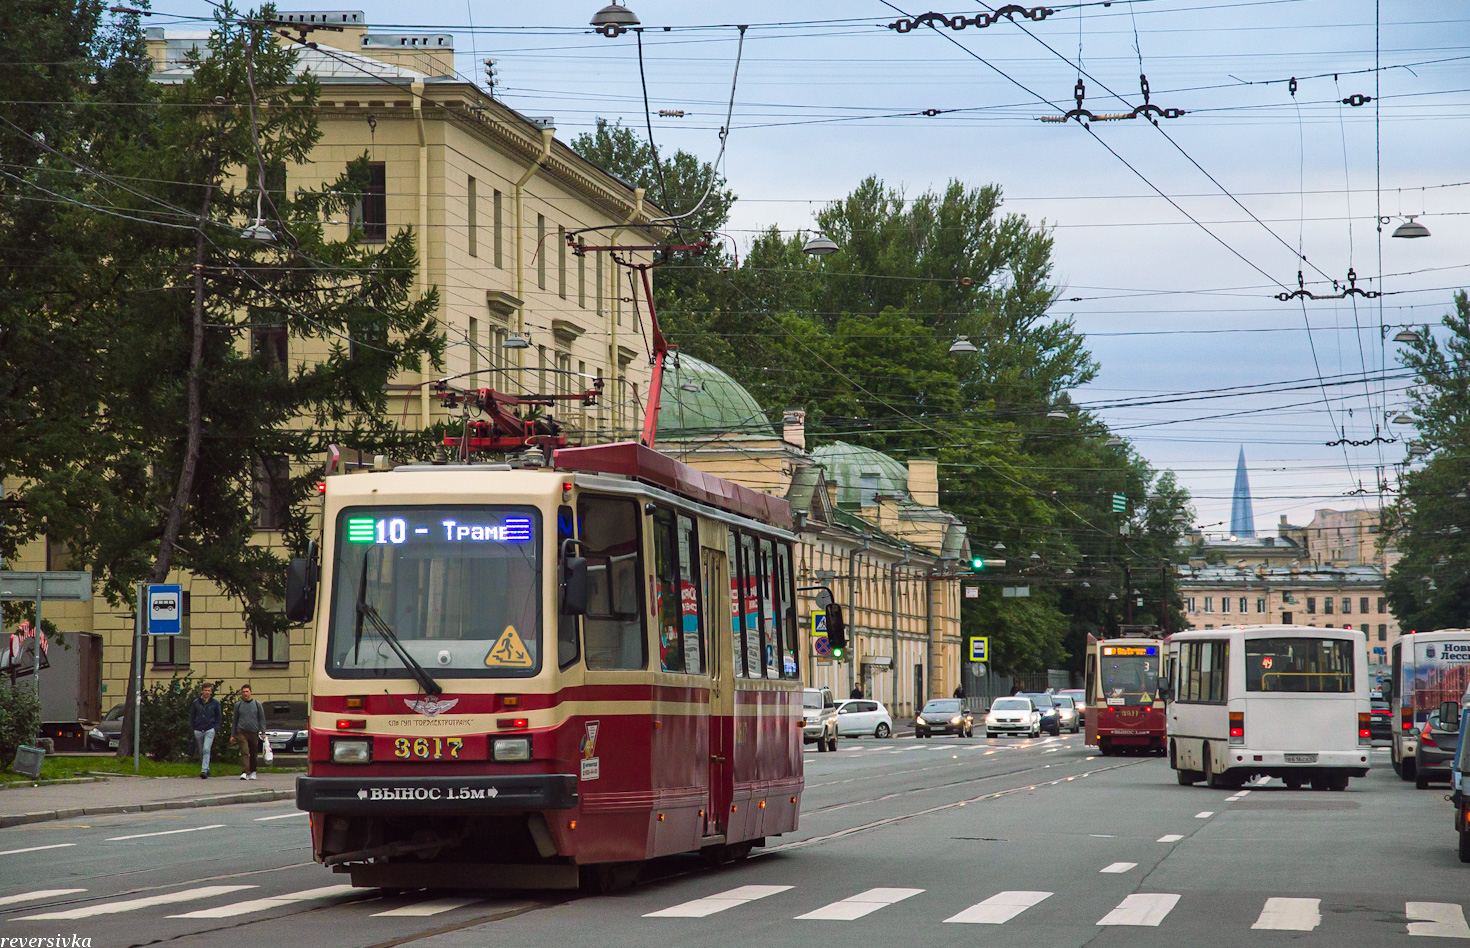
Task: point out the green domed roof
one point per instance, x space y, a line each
857 471
720 406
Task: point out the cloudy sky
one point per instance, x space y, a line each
1176 293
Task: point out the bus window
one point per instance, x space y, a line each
568 647
689 605
786 609
613 626
1202 667
771 636
666 609
1299 665
737 623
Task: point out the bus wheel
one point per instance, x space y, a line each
1339 782
1294 783
1187 778
1213 780
1319 783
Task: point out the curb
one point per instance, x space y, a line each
43 816
28 784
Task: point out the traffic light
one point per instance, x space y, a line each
836 631
977 564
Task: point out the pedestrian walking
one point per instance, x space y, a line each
249 731
856 692
959 691
205 716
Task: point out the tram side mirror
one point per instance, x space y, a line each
300 589
836 627
1449 716
574 586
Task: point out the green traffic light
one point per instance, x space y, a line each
977 564
837 653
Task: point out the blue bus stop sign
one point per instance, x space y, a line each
165 606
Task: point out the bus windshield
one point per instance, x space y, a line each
460 587
1321 666
1129 674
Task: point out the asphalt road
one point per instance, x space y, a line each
935 842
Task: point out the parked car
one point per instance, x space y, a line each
1067 713
108 732
944 716
285 726
1438 742
819 719
858 716
1051 719
1380 721
1014 715
1079 698
1461 782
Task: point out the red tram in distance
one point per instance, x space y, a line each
1124 710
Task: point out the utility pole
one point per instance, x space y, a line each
1128 593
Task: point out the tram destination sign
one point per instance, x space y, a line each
1126 651
431 526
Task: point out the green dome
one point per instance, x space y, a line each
720 406
858 472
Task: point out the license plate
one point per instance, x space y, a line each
112 743
428 748
1301 758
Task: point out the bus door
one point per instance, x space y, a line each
716 602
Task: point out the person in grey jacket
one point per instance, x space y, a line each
249 731
204 719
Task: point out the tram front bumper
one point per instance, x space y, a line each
507 793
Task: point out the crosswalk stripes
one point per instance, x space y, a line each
276 901
1148 909
37 896
1291 915
709 905
427 908
864 903
132 905
1436 919
999 908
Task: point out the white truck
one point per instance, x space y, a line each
1427 669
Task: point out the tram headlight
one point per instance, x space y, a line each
352 752
504 749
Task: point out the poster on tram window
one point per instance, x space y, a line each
754 661
736 620
689 607
1441 673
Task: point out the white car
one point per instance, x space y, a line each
857 716
1013 716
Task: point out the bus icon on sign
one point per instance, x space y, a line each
162 605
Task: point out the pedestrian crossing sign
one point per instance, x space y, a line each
509 651
977 648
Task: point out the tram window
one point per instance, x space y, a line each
790 663
568 647
737 622
690 607
613 626
667 605
750 607
770 630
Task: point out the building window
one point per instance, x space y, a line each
597 278
271 650
1189 604
541 251
471 222
474 341
582 280
172 651
1311 605
370 213
1363 604
867 489
499 230
270 488
271 344
1382 605
1326 605
1225 604
1209 603
1347 605
1261 605
1286 618
1383 633
1244 604
561 261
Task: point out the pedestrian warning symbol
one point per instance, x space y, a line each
509 651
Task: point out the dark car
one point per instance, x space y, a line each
944 716
1437 745
1380 720
108 732
1051 718
286 726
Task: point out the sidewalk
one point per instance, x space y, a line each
137 794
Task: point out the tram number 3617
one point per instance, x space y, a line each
428 748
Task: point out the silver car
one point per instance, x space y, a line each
819 719
1013 716
1071 719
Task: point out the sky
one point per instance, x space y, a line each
1171 241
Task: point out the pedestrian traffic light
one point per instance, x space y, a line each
836 631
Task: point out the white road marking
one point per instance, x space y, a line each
129 905
35 849
999 908
1141 909
864 903
1119 867
1291 915
280 816
276 901
1437 919
710 904
1102 835
1170 838
37 895
1204 814
191 829
425 909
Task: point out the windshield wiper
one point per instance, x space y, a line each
370 612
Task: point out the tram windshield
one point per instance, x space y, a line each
459 585
1299 665
1129 674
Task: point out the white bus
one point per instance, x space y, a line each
1428 668
1284 701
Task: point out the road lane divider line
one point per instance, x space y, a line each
130 905
999 908
710 904
277 901
1118 867
1436 919
856 906
1146 909
427 908
1290 915
1204 814
191 829
280 816
1170 838
37 895
35 849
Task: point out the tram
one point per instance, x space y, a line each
1124 708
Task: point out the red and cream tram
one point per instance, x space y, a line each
526 677
1124 710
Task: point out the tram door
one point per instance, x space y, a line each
716 600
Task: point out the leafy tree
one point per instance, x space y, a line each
1429 522
20 720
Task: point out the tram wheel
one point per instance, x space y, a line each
1105 747
603 878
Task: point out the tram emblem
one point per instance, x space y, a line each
430 706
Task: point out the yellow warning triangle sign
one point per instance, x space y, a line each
509 651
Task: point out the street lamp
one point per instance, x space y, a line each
1114 443
1411 228
1403 419
819 246
998 545
614 20
1058 414
516 341
962 344
1407 335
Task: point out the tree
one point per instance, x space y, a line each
1429 522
